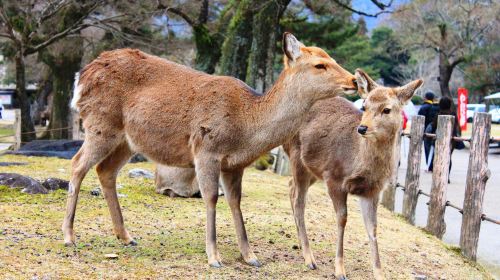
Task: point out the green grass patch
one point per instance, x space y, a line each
171 234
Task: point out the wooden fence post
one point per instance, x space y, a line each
17 128
75 125
413 171
389 194
282 163
477 175
440 175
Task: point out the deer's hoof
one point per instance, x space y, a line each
69 244
254 262
215 264
312 266
132 243
342 277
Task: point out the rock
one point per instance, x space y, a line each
138 158
420 277
111 256
27 184
178 182
138 173
12 163
96 192
53 184
50 148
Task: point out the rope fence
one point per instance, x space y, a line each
448 203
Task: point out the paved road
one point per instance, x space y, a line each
489 243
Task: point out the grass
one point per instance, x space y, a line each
170 232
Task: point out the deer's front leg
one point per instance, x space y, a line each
369 210
207 174
232 192
298 194
339 199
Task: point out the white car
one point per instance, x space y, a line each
495 115
473 108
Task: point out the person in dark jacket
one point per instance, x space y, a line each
445 108
429 110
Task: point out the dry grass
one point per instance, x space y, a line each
171 238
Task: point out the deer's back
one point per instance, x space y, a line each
164 109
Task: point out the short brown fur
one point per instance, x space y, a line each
134 102
329 147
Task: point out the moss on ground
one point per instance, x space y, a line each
170 233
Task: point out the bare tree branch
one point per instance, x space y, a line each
347 7
75 27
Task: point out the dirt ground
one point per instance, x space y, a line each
170 233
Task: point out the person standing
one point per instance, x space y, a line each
445 108
429 110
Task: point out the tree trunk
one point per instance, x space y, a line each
236 46
445 71
59 117
261 60
208 48
63 66
23 99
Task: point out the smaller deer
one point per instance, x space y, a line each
352 152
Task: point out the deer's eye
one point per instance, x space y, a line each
386 111
320 66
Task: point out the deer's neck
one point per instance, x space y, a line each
376 157
277 116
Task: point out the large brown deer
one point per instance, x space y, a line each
352 152
134 102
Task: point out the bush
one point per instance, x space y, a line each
417 100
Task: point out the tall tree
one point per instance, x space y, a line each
31 26
208 36
265 34
452 28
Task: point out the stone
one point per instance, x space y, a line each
178 182
53 184
27 184
96 191
140 173
65 149
12 163
138 158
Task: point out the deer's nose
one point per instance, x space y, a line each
362 129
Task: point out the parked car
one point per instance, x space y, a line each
473 108
495 115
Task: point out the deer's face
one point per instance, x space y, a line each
313 69
382 108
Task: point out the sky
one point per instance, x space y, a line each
370 8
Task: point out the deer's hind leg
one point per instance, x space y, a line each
107 170
232 192
339 199
299 186
94 149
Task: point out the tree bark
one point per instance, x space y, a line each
63 66
236 46
208 48
445 71
27 127
261 59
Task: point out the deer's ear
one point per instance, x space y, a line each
291 48
406 92
365 83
